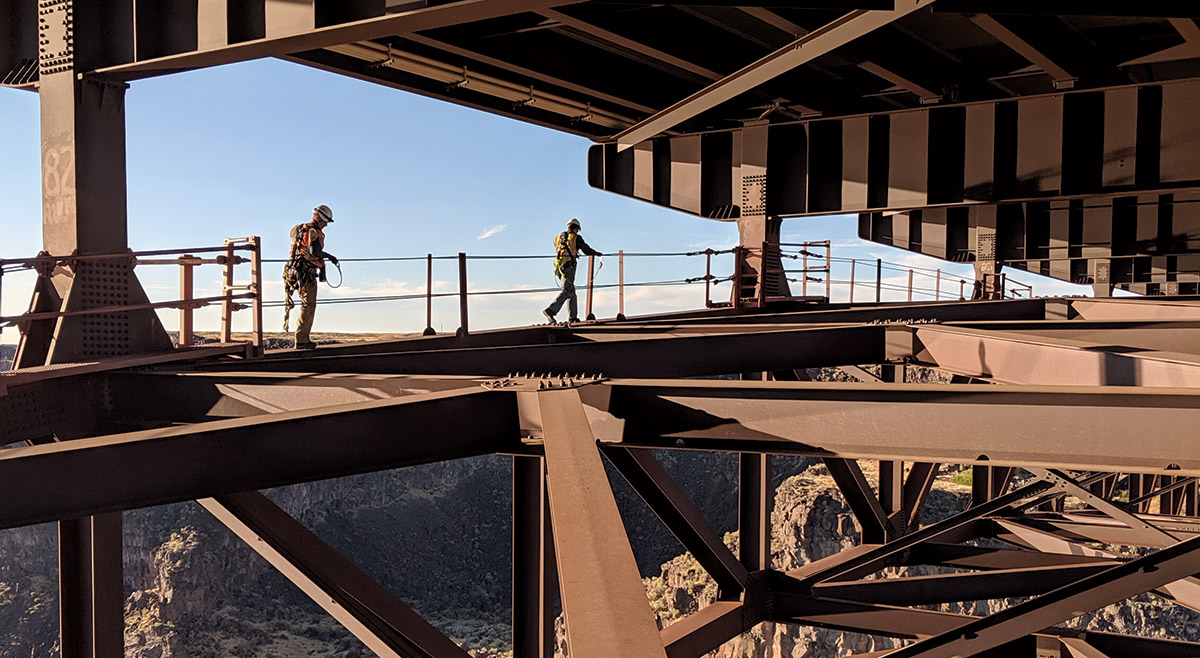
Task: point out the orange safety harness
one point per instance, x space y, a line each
302 267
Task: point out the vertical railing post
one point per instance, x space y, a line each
621 284
961 284
187 336
463 329
428 296
937 288
828 269
227 302
708 278
256 304
737 276
804 266
591 276
910 277
762 277
878 280
852 262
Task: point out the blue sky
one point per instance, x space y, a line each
249 149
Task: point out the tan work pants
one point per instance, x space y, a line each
308 309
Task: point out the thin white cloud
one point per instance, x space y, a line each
491 231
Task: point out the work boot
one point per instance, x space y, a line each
306 346
575 320
549 316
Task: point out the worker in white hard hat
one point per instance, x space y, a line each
567 246
305 267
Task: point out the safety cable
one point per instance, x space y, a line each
634 254
522 291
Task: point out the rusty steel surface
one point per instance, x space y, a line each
1043 137
655 486
158 466
602 595
387 626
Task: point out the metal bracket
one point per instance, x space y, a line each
527 101
461 83
385 62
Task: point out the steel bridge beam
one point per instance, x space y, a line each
374 615
388 25
152 398
1062 79
1095 591
1016 358
707 629
91 587
645 54
522 71
1185 591
649 357
940 423
800 52
534 577
975 557
652 482
948 588
912 623
154 467
755 504
860 498
605 605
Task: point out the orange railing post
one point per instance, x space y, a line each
187 336
227 295
257 302
828 269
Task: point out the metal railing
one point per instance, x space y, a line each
226 256
817 266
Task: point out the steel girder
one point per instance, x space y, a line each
152 467
602 592
300 39
1016 357
805 49
645 357
381 621
827 420
1071 427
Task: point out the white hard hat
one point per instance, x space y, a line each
573 222
324 212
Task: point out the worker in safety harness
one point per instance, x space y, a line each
305 267
567 246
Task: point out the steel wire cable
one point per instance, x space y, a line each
932 292
635 254
523 291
